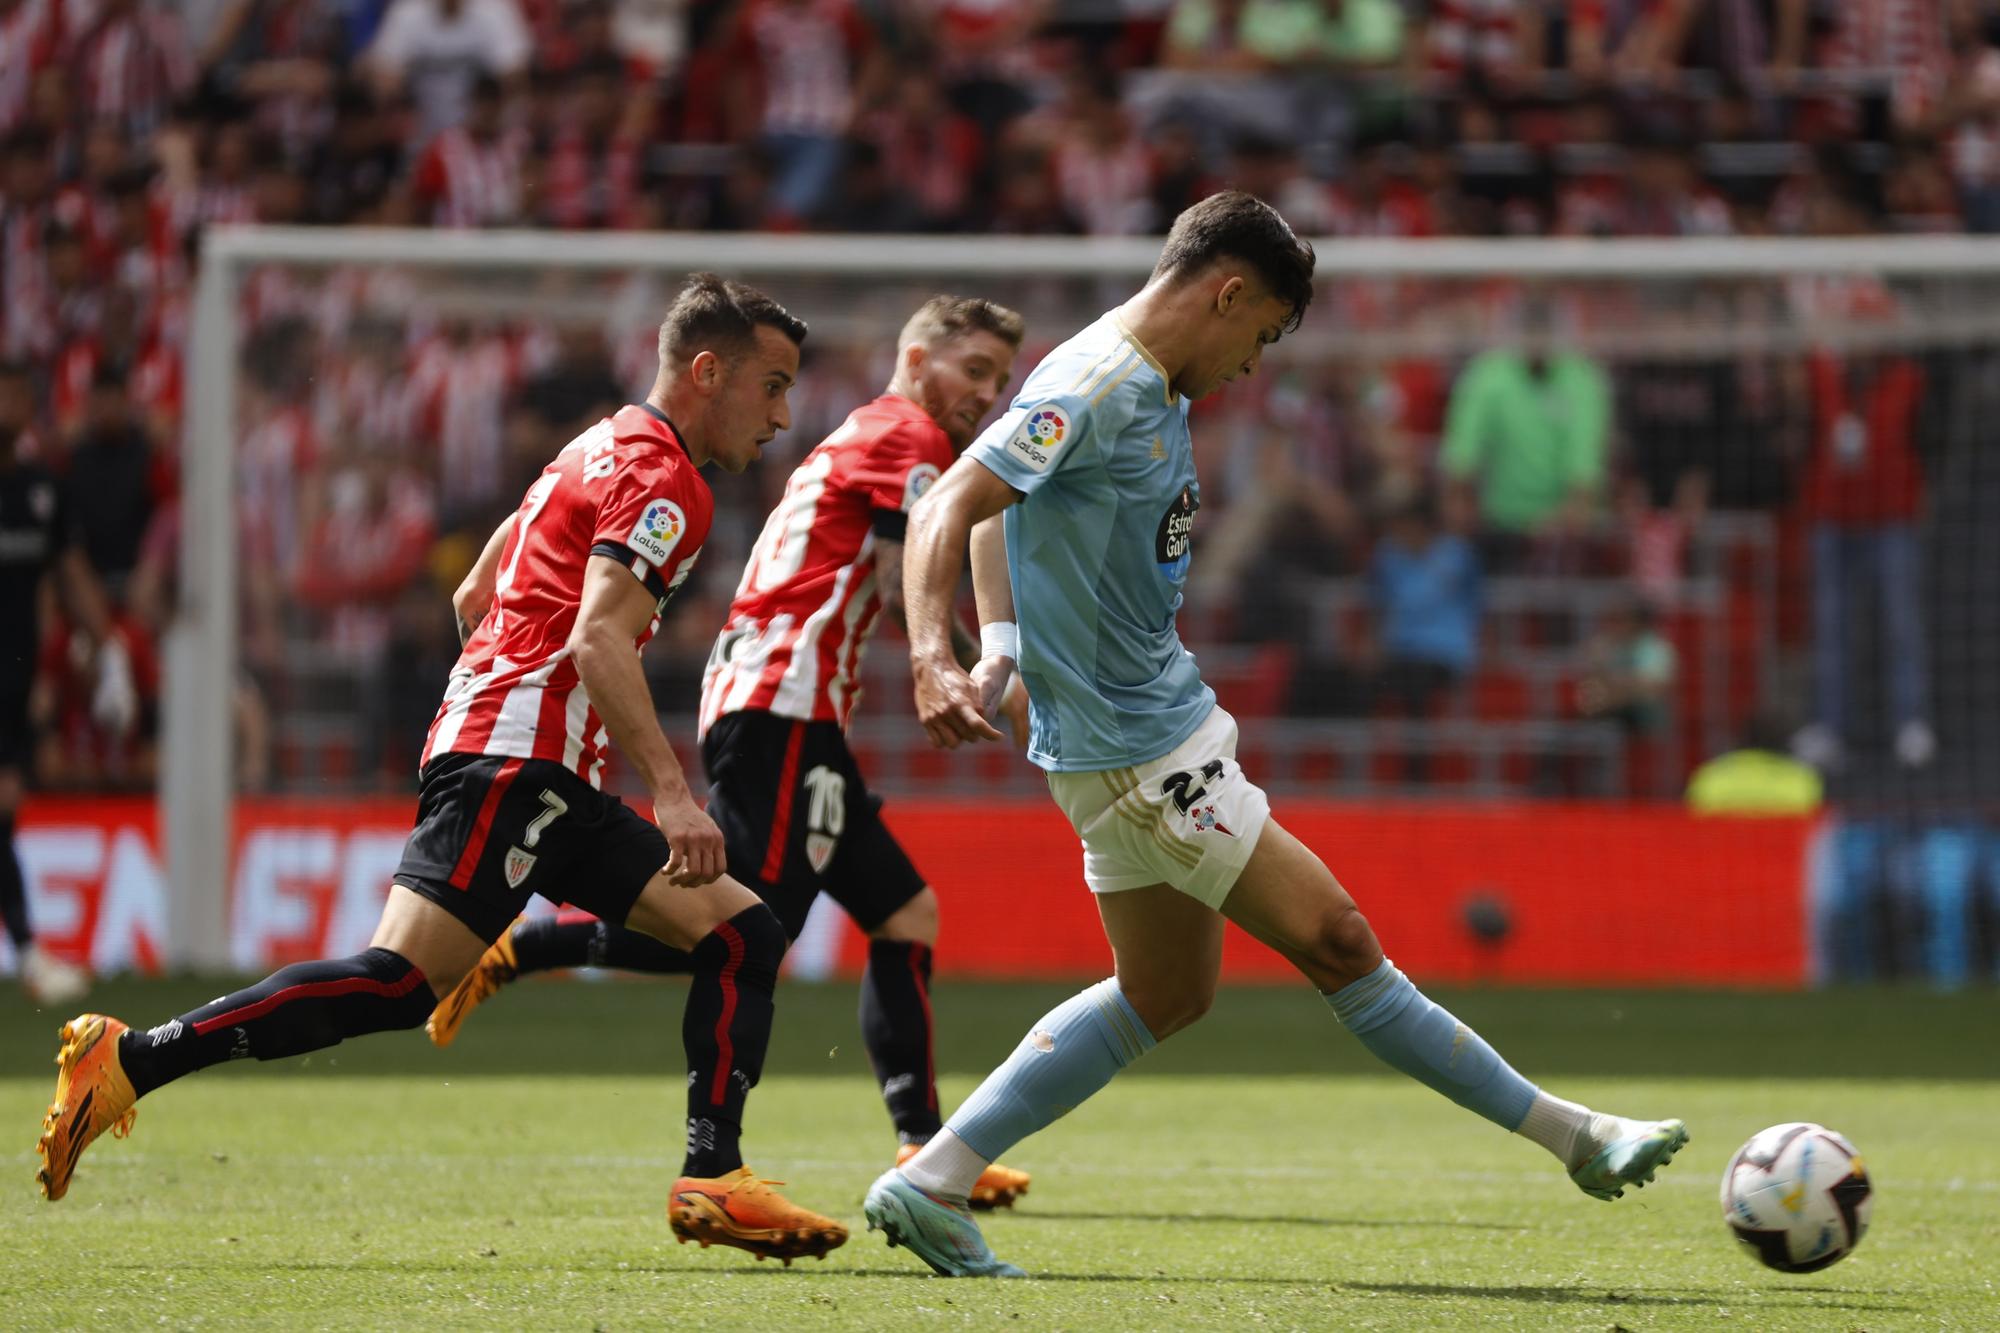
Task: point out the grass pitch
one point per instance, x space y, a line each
1255 1172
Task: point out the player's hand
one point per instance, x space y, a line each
696 843
948 705
1002 695
114 703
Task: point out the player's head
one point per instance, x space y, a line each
728 356
1252 277
954 359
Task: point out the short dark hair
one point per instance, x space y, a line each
943 318
715 314
1235 225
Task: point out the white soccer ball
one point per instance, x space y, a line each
1797 1197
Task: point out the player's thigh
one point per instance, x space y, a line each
874 880
681 916
757 797
1168 952
1287 898
490 831
441 946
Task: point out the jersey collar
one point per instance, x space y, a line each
1166 384
673 431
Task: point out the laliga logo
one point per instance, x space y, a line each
1047 426
663 522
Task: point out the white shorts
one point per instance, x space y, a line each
1189 818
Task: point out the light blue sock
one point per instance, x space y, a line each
1065 1058
1405 1030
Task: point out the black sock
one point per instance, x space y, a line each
13 889
294 1010
896 1025
550 942
726 1027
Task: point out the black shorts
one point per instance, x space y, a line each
16 737
492 830
798 819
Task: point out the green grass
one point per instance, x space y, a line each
1253 1173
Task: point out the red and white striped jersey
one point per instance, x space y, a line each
808 600
626 489
469 182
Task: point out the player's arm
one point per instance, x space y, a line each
1001 691
941 528
889 577
474 597
615 610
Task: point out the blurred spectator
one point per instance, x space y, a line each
1973 121
31 34
281 57
1244 35
1658 193
1629 669
113 481
131 60
470 175
1424 587
1756 778
1475 37
1025 200
1372 200
576 387
370 542
806 55
596 161
1862 496
930 151
1103 170
437 50
1525 441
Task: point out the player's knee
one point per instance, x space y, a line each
1168 1007
764 945
1343 949
915 922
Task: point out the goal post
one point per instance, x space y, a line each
1642 298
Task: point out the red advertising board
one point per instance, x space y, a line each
1590 894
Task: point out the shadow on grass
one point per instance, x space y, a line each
1242 1219
1790 1297
1774 1298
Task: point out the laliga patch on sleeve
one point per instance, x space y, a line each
658 530
1039 435
920 480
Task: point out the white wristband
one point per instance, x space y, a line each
1000 638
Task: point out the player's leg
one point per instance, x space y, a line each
876 883
1167 948
734 943
1167 951
452 895
1286 897
106 1067
543 944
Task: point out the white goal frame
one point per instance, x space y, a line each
197 781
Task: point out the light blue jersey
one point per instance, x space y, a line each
1098 552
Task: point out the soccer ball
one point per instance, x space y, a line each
1797 1197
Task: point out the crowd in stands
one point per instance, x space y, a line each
379 448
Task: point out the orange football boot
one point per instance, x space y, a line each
745 1211
92 1095
495 968
997 1187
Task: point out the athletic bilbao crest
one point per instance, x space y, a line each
826 816
516 866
